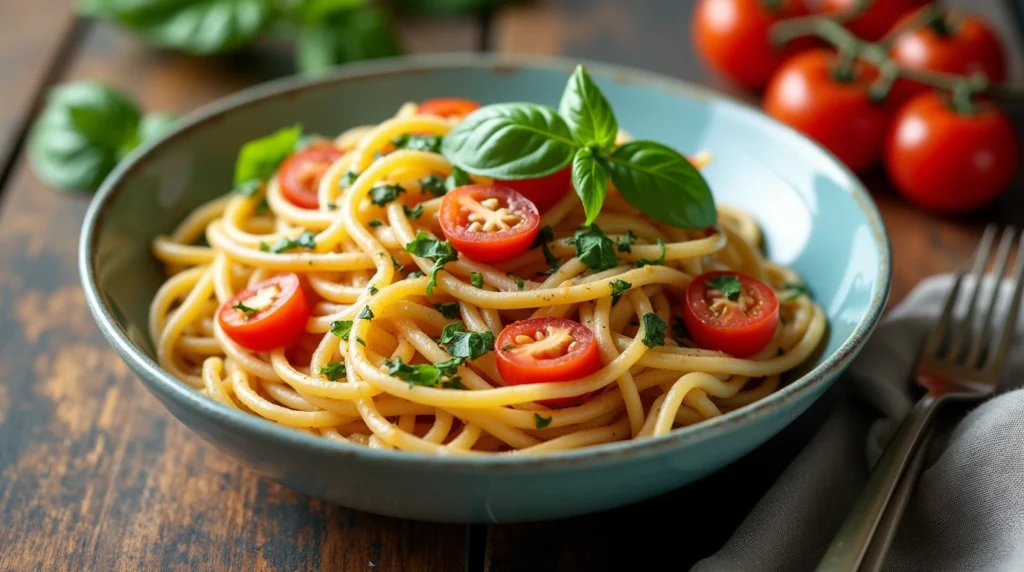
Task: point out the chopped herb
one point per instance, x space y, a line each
243 308
641 262
414 142
341 328
457 178
413 213
727 284
545 236
679 330
373 290
449 310
426 374
374 223
415 274
595 249
377 155
264 247
332 206
360 341
382 193
398 267
520 285
654 330
449 366
440 251
463 344
453 383
626 241
540 421
796 290
618 288
365 314
305 240
262 206
334 371
433 184
348 179
476 279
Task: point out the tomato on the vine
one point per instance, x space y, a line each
878 19
731 37
949 160
488 223
300 174
448 106
541 350
267 315
546 191
730 312
812 94
959 44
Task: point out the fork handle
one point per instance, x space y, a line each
854 536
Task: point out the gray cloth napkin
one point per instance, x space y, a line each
967 511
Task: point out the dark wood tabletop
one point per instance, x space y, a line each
96 475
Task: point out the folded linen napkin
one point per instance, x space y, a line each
967 511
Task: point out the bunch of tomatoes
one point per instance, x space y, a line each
943 152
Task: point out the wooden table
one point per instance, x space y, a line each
94 474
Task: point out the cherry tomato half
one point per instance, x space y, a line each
731 37
488 223
267 315
542 350
545 191
448 106
879 18
738 323
300 174
959 44
836 112
950 161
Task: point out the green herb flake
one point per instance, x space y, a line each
659 261
259 159
540 421
728 284
476 279
654 330
360 341
365 314
520 285
374 223
348 179
595 249
373 290
264 247
433 184
415 274
398 267
244 309
449 310
453 383
413 213
419 374
463 344
341 328
381 194
457 178
334 371
305 240
415 142
619 287
440 251
626 241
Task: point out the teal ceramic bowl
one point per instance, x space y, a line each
815 215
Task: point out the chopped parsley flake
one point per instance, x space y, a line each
347 179
334 371
595 249
654 330
413 213
365 314
457 178
381 194
433 184
476 279
449 310
374 223
305 240
463 344
341 328
520 285
373 290
626 241
440 251
398 267
244 309
619 287
641 262
415 142
540 421
727 284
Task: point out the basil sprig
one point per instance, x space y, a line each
512 141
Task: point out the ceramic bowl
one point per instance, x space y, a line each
815 215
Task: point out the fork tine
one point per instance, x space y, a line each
981 335
938 334
978 272
998 356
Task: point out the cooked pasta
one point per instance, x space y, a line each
370 363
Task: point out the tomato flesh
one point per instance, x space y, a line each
488 223
879 18
544 191
741 327
448 107
277 315
300 174
541 350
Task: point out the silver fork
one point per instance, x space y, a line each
947 369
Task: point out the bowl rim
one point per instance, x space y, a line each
166 386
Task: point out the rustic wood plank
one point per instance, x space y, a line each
94 473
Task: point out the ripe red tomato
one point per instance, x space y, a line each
731 37
836 112
448 106
268 315
542 350
951 43
949 161
730 312
488 223
879 18
545 191
300 174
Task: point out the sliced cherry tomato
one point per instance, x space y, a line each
955 43
878 19
448 106
730 312
809 94
267 315
542 350
488 223
950 161
731 37
300 174
545 191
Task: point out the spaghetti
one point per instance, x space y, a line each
370 365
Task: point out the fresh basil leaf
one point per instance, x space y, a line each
309 12
661 183
155 125
434 185
450 331
449 310
654 330
659 261
440 251
589 115
476 279
334 371
348 36
415 142
471 345
341 328
382 193
305 240
81 134
457 178
419 374
626 241
413 213
259 159
727 284
510 141
619 287
590 178
594 248
540 421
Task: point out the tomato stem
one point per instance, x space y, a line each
963 92
934 17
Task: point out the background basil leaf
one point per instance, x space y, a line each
345 37
81 134
587 112
661 183
154 125
311 12
259 158
590 178
510 141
